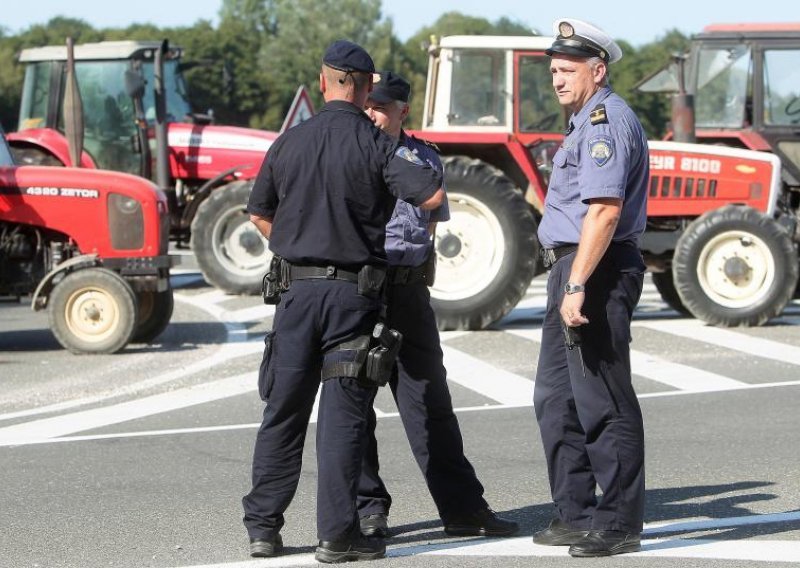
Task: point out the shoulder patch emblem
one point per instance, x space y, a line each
601 148
408 156
598 115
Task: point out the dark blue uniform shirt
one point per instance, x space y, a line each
408 242
607 159
330 183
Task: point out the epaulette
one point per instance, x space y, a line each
598 115
430 145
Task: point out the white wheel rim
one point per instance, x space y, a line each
736 269
92 315
237 244
470 248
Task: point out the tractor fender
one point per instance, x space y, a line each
205 190
42 293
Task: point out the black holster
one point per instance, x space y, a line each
371 280
382 357
372 360
275 281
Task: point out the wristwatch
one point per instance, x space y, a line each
572 288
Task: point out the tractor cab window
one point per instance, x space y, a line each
723 95
178 109
782 87
539 110
5 153
478 95
35 96
109 127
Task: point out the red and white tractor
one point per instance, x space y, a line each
138 120
91 247
722 222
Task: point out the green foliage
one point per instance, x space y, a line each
248 68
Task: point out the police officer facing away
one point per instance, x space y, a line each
323 196
588 413
419 386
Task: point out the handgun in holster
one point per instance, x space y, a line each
272 284
381 358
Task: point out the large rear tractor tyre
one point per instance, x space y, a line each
665 284
230 251
735 267
93 311
486 252
155 311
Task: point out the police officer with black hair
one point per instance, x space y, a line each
419 385
595 209
322 197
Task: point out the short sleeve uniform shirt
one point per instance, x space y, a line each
329 184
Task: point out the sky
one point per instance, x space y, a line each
638 22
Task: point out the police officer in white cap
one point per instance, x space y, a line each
595 210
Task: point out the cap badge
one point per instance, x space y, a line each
566 30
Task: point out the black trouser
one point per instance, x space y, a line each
312 317
591 426
420 390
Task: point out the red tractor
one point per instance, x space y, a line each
138 120
91 246
722 222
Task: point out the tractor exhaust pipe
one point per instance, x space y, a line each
162 147
73 109
682 107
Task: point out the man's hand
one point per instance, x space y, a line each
571 307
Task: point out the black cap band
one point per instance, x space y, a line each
577 46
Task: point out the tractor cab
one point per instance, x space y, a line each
745 82
108 74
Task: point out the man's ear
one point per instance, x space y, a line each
600 72
323 86
404 114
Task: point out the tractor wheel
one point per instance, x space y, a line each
665 284
487 251
155 311
230 251
735 267
92 311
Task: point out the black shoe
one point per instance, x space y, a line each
266 547
559 533
483 522
606 543
361 549
375 525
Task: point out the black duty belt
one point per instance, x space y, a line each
321 273
551 256
406 274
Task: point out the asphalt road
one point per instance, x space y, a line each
141 458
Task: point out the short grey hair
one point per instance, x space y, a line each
593 62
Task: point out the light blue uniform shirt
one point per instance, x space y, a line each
408 242
607 159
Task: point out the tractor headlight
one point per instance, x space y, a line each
125 221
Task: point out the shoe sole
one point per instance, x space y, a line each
265 551
472 531
619 549
381 533
331 557
562 540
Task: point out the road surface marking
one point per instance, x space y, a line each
753 550
681 377
743 343
506 388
